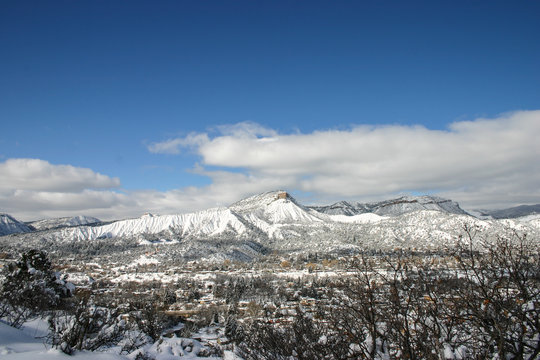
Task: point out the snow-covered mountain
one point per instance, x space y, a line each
63 222
275 221
272 214
277 214
276 207
392 207
10 225
277 218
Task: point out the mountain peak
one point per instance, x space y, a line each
262 200
275 207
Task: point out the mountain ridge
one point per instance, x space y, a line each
275 221
47 224
392 207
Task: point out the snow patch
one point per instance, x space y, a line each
358 219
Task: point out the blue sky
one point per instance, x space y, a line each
96 85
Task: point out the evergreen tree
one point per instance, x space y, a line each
30 286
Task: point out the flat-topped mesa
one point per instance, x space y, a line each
261 200
282 195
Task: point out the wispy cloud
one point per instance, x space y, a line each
242 130
172 146
246 129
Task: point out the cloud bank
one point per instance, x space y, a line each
483 163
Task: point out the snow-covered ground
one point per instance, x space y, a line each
29 343
360 218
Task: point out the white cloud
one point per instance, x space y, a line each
32 189
40 175
481 164
172 146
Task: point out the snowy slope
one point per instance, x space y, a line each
210 222
10 225
277 214
28 344
529 221
425 229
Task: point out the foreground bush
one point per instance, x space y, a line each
86 327
31 287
